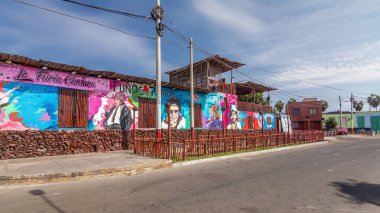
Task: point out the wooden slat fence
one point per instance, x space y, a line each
215 144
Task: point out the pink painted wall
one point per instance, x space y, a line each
24 74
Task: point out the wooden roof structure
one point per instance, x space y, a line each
83 71
248 87
225 63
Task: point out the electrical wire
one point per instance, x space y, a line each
147 18
85 20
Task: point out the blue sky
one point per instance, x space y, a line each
334 43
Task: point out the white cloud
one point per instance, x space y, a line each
66 40
230 16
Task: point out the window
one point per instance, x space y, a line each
296 111
147 113
73 108
313 111
197 115
295 125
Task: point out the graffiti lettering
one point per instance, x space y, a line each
22 75
72 81
44 76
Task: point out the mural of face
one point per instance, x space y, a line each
174 115
174 111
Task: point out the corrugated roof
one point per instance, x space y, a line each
17 59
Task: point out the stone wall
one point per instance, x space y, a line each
34 143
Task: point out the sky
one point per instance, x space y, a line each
292 45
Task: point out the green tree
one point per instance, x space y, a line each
330 123
292 100
325 105
358 105
258 98
373 101
279 106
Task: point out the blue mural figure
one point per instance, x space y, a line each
214 121
177 121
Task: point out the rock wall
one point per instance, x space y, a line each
34 143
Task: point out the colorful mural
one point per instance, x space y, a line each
28 106
112 109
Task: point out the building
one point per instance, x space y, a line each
346 119
76 105
305 115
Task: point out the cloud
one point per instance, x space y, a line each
62 39
230 16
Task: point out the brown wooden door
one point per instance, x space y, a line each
66 108
250 122
197 115
81 109
147 113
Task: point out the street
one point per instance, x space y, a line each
339 176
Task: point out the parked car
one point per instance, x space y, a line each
342 131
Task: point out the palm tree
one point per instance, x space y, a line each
325 105
373 101
292 100
279 106
358 105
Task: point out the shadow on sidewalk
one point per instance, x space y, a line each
358 192
41 193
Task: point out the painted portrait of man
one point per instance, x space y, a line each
177 121
119 116
234 116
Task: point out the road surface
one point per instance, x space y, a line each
340 176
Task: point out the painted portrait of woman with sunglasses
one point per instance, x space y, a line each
177 121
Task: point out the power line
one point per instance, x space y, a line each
112 11
85 20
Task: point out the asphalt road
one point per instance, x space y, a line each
340 176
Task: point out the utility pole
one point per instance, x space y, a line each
158 13
340 111
191 89
352 121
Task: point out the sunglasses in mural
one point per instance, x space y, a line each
5 96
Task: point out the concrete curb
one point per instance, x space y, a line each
83 175
246 154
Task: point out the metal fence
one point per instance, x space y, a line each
216 144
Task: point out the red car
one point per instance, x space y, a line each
342 131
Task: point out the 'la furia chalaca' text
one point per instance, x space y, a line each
46 77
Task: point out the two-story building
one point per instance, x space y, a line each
305 115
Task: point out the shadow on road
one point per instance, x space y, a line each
359 192
41 193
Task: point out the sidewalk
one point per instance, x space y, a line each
76 167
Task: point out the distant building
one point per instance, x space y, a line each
305 115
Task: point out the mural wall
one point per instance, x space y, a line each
28 106
257 120
29 100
